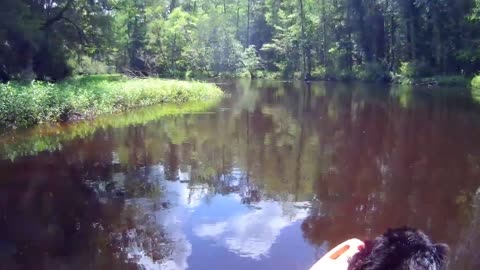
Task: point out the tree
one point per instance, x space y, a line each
39 36
334 39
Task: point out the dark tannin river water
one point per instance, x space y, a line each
271 178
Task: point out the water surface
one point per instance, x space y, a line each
270 178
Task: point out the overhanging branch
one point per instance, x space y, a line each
57 17
81 34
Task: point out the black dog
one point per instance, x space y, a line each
401 249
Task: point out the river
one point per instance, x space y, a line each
270 178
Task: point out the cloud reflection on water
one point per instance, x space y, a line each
248 232
251 234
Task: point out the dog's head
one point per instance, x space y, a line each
401 249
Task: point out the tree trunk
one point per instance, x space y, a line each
412 41
325 43
173 5
437 41
412 31
380 36
348 56
174 48
393 44
248 24
307 65
237 23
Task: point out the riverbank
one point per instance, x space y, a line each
27 104
440 80
407 74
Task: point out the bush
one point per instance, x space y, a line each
89 66
189 74
413 70
297 75
476 82
37 102
345 75
371 72
407 70
273 75
260 74
414 73
319 73
250 60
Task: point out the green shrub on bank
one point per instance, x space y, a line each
319 73
409 73
25 104
476 82
371 72
412 70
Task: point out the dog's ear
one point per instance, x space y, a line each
368 244
362 258
442 250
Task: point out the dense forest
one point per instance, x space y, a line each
304 39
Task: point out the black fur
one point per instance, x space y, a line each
401 249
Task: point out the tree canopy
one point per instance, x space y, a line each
324 39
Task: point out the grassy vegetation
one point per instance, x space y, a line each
24 104
53 137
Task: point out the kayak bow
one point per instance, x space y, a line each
337 258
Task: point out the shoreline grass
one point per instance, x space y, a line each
27 104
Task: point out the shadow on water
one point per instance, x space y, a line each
66 211
280 172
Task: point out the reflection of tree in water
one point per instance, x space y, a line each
142 237
68 211
466 256
391 166
364 160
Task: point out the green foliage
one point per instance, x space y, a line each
407 70
319 39
476 82
475 12
475 85
26 104
37 37
319 73
251 61
371 72
411 72
345 75
89 66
